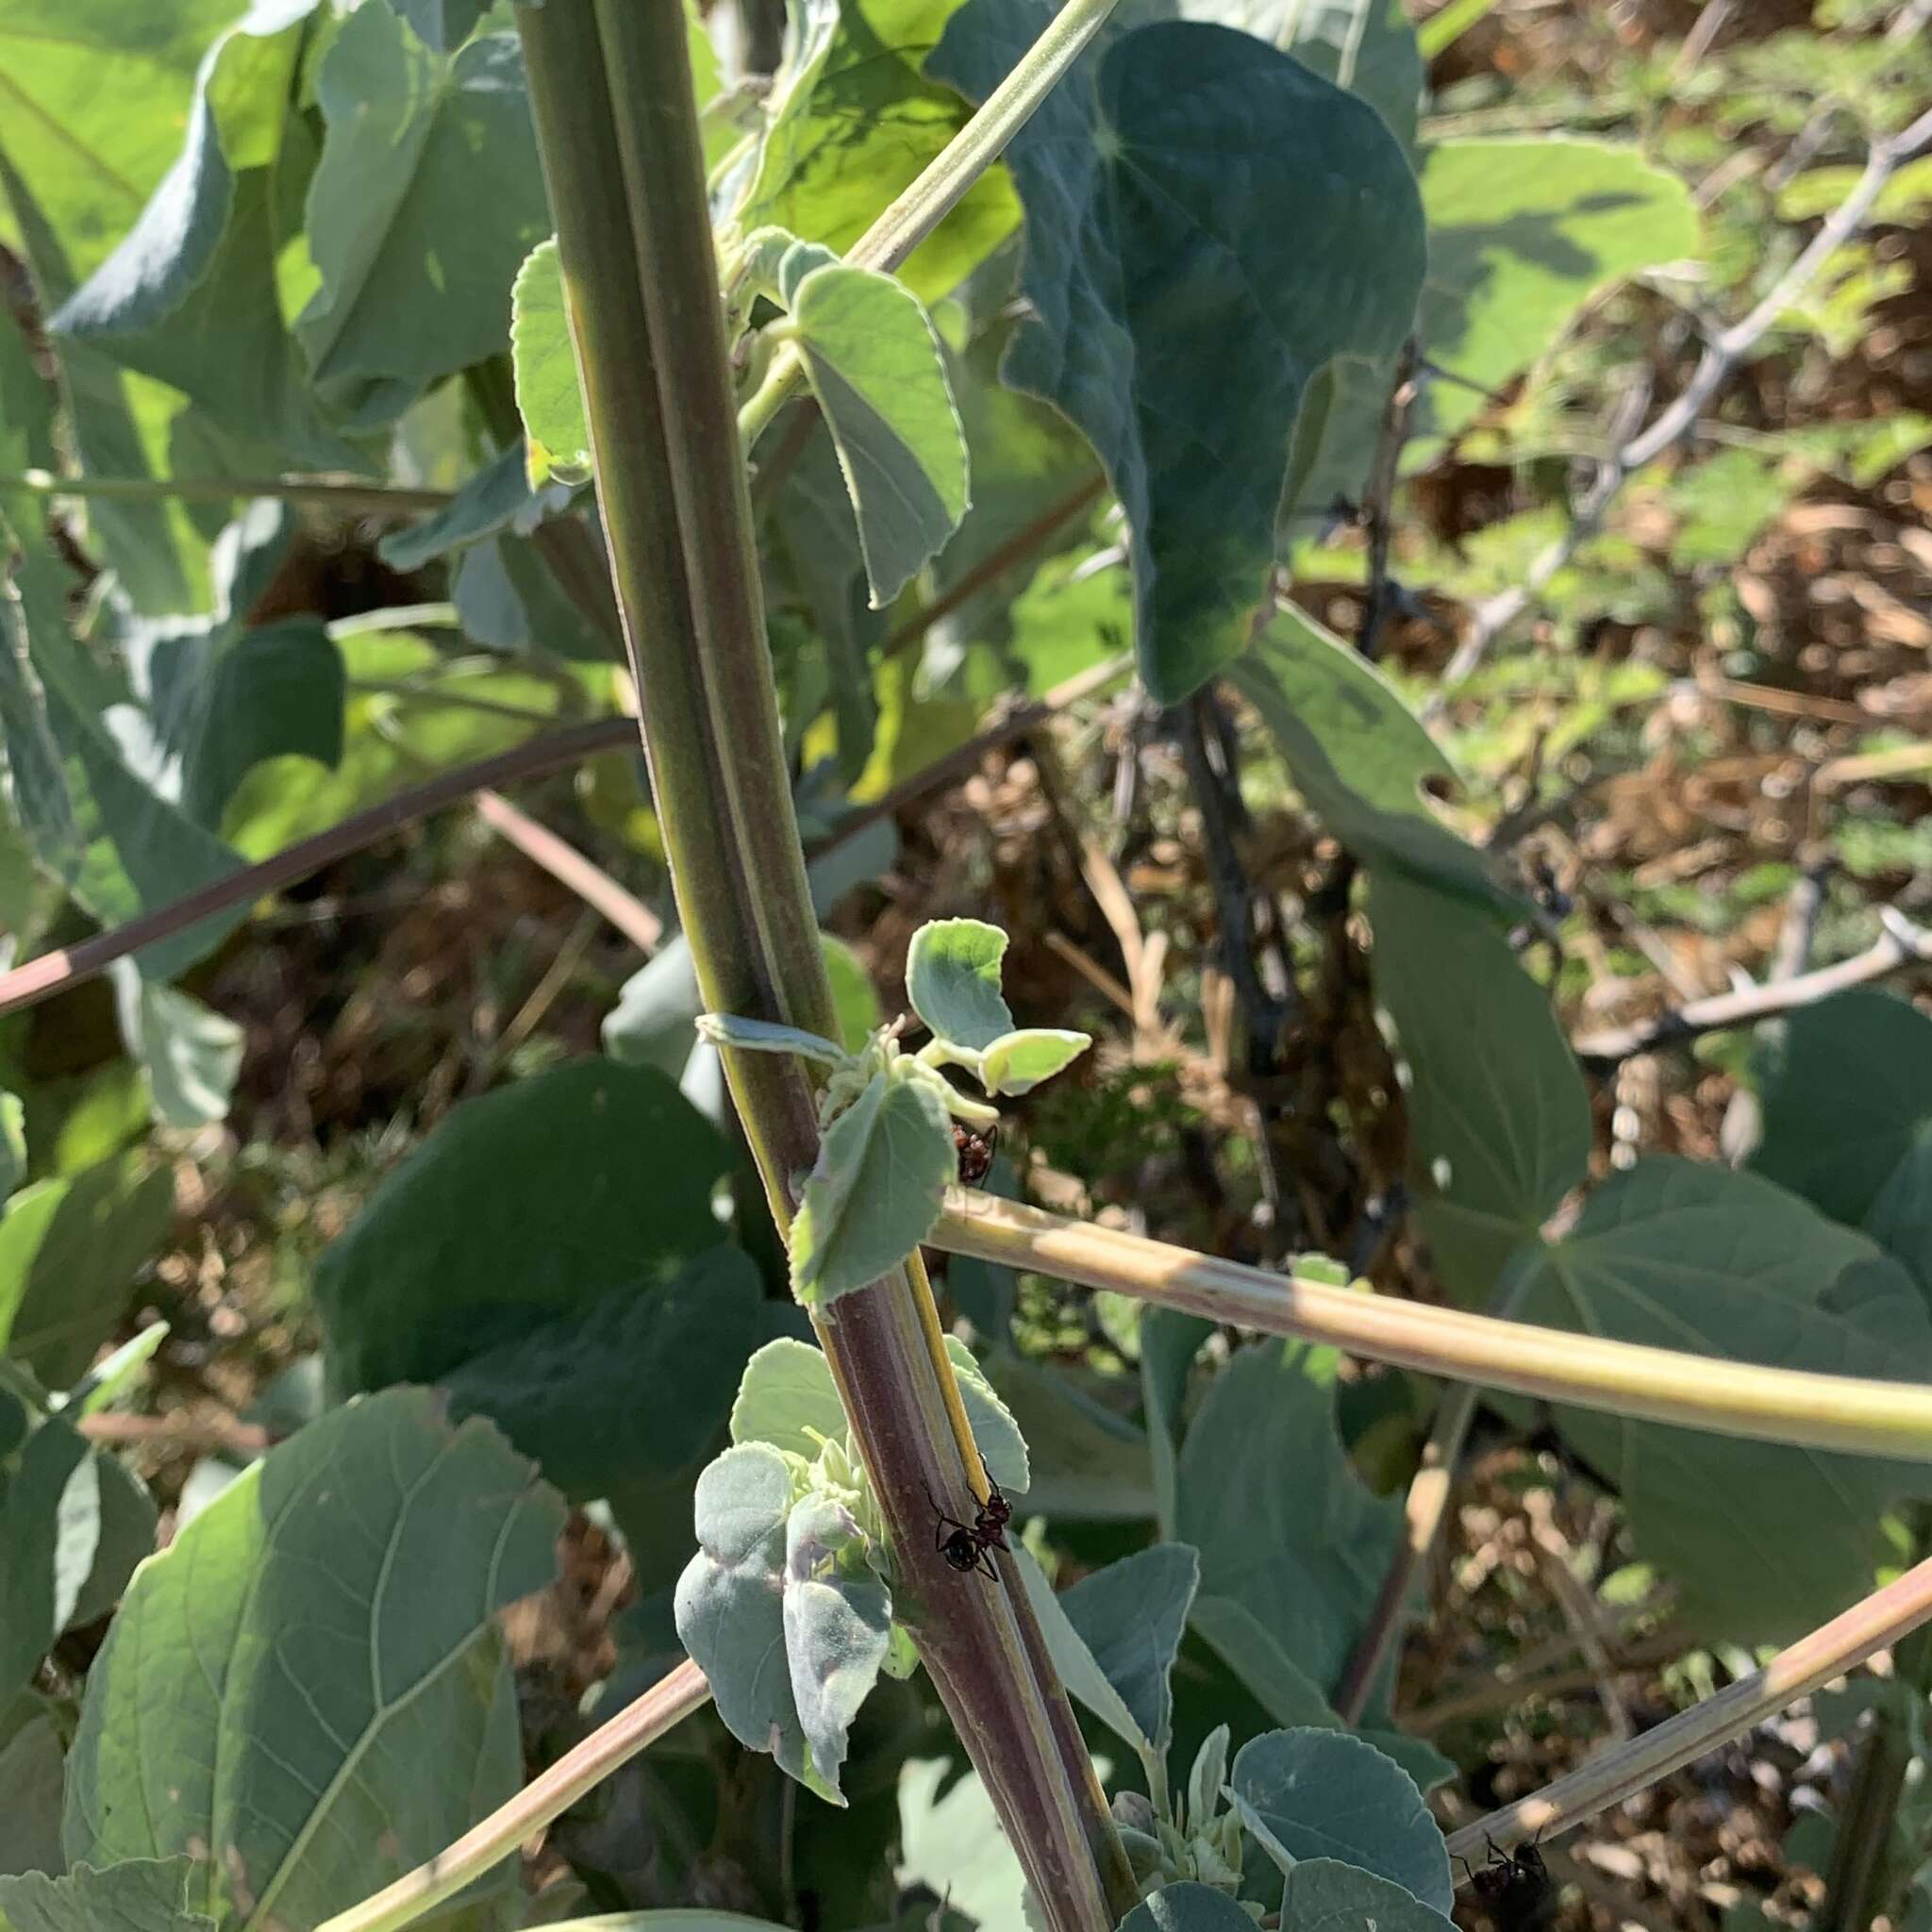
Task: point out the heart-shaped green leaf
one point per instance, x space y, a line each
1196 201
953 980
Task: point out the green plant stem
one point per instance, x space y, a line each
345 492
1871 1623
934 195
546 1797
618 130
1729 1398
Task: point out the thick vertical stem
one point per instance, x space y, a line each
617 125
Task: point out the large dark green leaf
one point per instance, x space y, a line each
1499 1120
426 199
1130 1616
1187 1907
1195 202
307 1690
537 1202
1761 1541
1367 46
69 1250
1306 1556
636 1387
32 1769
1358 753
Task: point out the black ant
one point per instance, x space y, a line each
1515 1889
965 1548
973 1145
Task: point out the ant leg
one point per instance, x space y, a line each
985 1563
944 1523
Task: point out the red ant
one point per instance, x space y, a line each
973 1145
965 1548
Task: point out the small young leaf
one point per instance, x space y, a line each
545 366
873 357
837 1629
1018 1062
881 1176
762 1036
787 1391
953 980
1322 1794
1207 1778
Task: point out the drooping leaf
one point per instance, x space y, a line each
557 433
636 1386
1195 202
1499 1121
189 1054
856 123
134 1895
590 1183
838 1625
882 1172
1761 1541
1325 1895
189 296
1324 1794
428 197
873 359
1129 1617
953 980
403 1730
1188 1907
1304 1557
50 1516
731 1605
69 1250
1356 753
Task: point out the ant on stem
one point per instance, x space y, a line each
964 1546
1515 1887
